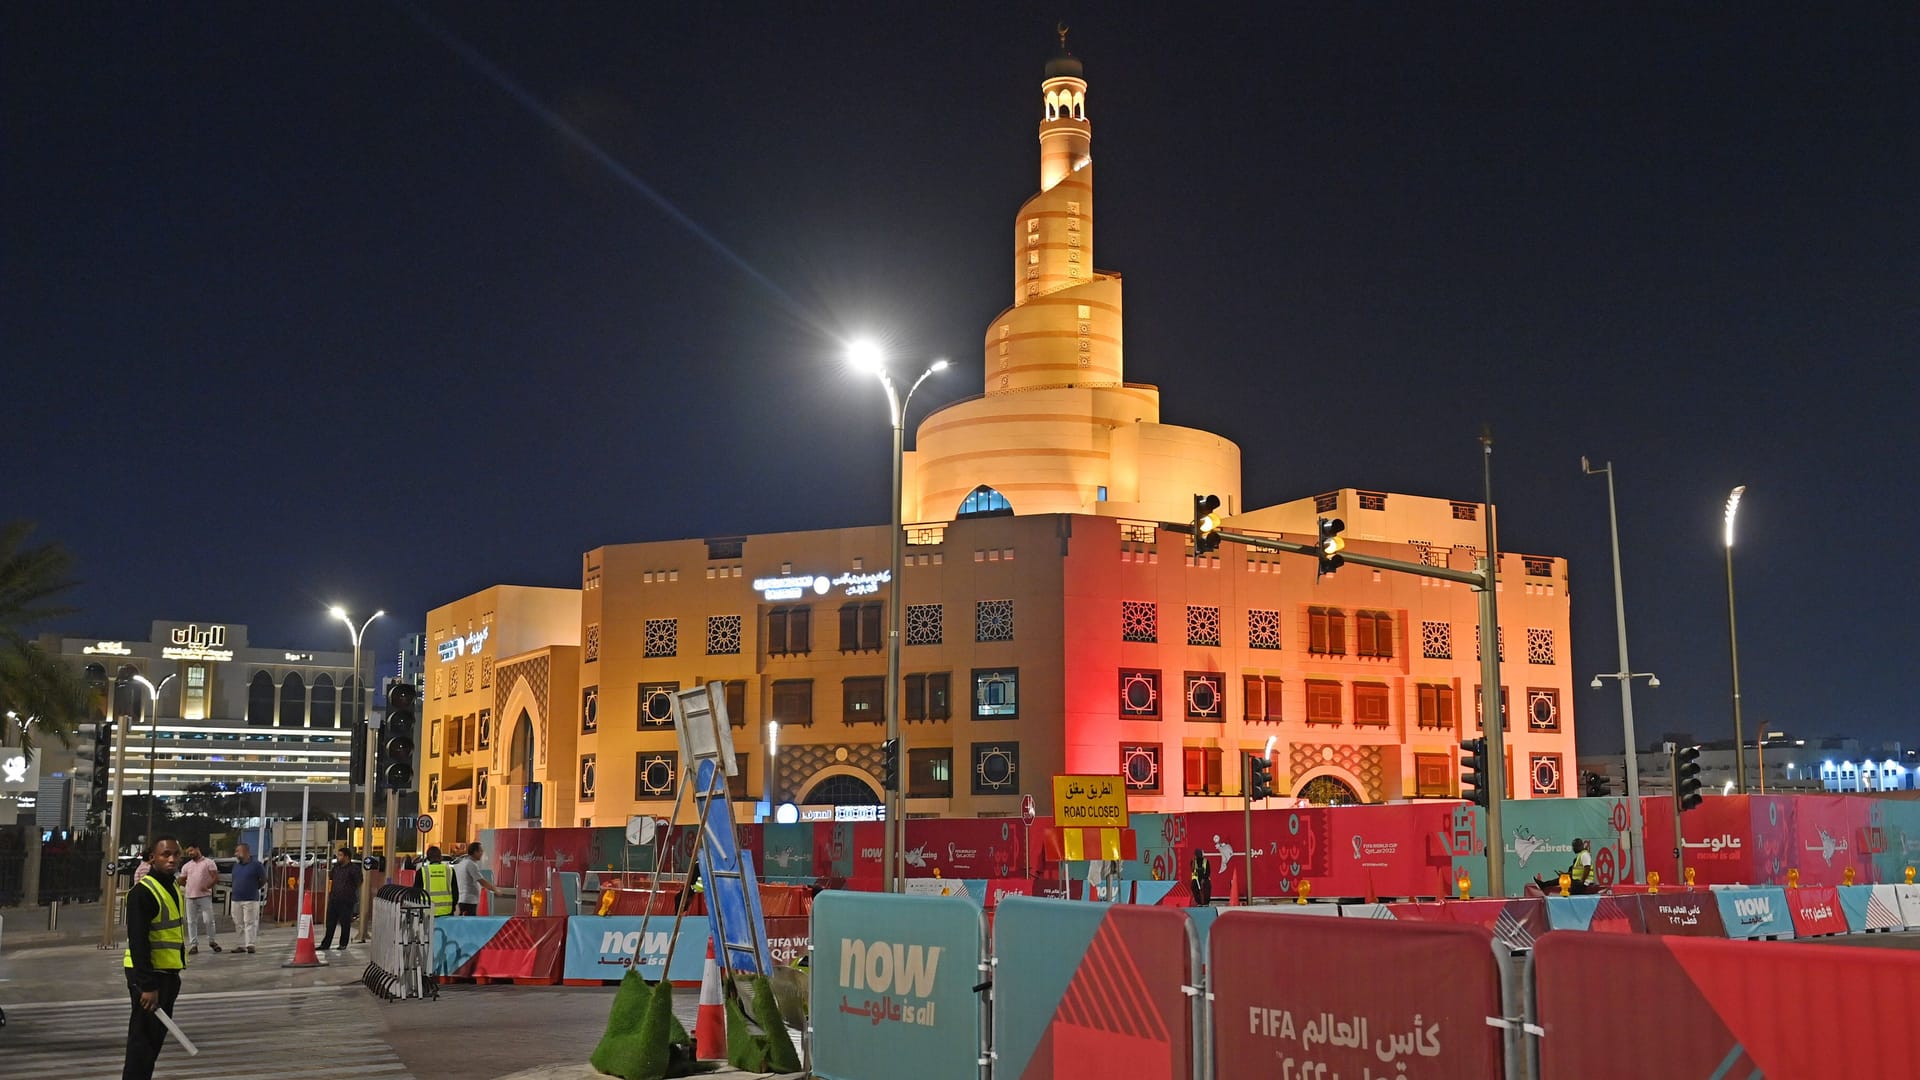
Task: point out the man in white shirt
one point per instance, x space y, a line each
469 881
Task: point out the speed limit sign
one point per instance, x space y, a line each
424 823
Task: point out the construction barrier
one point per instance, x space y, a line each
1599 914
1394 999
893 989
1871 909
1817 912
600 948
1909 901
1086 990
398 966
1849 1012
514 948
1760 912
1693 914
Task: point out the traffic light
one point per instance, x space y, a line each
1686 776
1473 771
1259 778
102 770
890 765
1206 523
1598 786
396 737
1330 544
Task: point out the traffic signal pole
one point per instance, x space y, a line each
1481 580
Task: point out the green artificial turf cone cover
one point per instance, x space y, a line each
644 1040
781 1056
745 1050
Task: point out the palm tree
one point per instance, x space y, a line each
39 695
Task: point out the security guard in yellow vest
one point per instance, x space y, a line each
156 955
436 876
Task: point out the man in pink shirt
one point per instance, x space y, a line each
198 876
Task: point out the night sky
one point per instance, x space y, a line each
302 306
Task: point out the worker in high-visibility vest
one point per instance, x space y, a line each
156 955
436 876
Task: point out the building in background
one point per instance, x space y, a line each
1051 624
233 713
1832 763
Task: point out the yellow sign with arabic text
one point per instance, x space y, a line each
1089 801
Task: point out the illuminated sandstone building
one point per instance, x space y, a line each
1051 624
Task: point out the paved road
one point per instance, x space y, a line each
293 1033
66 1011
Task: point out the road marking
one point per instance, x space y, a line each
241 1035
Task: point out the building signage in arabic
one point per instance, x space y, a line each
190 642
453 648
107 648
795 586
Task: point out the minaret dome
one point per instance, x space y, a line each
1065 138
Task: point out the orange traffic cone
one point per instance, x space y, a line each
303 954
710 1024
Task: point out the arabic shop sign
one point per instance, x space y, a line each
454 648
107 648
793 587
190 642
1089 801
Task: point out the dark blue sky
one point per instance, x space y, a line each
299 306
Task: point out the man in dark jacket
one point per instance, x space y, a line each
343 897
156 955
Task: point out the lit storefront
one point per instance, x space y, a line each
229 712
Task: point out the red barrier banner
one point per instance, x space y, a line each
1682 914
1421 1013
1515 922
1809 1012
788 938
965 847
1817 912
523 948
1827 830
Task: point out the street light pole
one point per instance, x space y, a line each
153 736
866 356
110 888
360 717
1733 645
1638 835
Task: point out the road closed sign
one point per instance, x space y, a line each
1089 801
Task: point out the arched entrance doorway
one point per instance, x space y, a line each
1329 791
843 790
520 764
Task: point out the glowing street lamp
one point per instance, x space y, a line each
153 737
1733 644
360 718
867 357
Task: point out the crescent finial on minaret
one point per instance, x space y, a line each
1061 29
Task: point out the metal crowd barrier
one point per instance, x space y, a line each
401 964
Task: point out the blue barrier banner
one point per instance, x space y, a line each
1571 912
1759 912
601 947
892 986
1870 907
457 939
